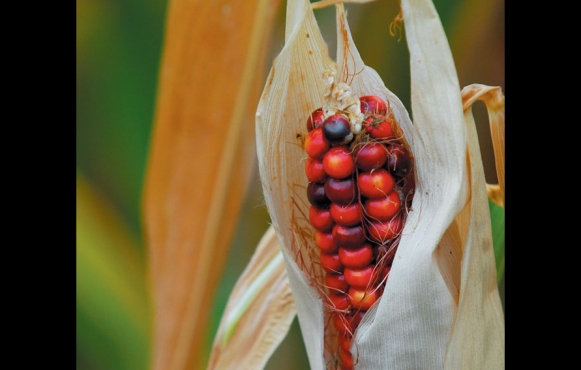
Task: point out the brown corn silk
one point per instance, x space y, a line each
440 307
199 165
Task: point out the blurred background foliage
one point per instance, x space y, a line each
119 46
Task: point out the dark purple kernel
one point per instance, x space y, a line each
371 104
341 191
399 162
336 129
315 120
316 195
349 237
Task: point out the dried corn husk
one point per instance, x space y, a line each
493 97
259 312
441 307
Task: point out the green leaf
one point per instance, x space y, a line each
497 218
112 305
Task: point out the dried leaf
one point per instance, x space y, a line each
478 333
259 312
325 3
201 157
494 194
494 100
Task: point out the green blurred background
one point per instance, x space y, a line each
119 45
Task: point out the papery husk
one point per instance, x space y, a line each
325 3
495 194
259 312
493 98
445 252
293 90
477 339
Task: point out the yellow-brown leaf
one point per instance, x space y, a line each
200 160
493 97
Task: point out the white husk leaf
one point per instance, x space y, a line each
259 312
293 90
445 251
477 339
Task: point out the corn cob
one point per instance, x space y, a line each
361 184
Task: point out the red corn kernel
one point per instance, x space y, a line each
356 258
336 283
326 242
314 170
361 279
375 184
363 299
355 319
316 195
340 323
346 359
382 209
321 219
345 341
331 263
371 104
378 130
346 324
315 144
349 237
385 273
349 215
399 162
338 162
339 301
370 156
384 254
341 191
380 289
337 129
315 120
382 232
